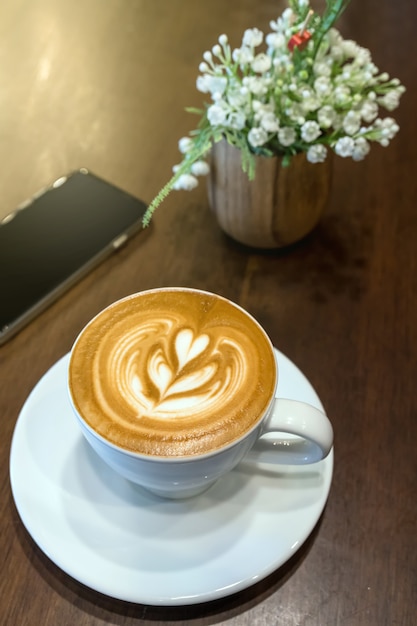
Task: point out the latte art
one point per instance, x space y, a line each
172 373
180 376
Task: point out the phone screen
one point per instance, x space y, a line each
55 238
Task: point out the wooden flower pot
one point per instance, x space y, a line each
279 207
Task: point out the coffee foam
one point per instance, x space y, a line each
172 373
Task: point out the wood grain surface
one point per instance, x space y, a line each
104 84
280 207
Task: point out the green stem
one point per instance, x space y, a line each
194 155
165 191
334 10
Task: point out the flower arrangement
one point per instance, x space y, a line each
309 90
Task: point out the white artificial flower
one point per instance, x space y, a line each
310 131
390 100
186 181
257 137
282 62
341 94
326 116
212 84
348 70
351 122
322 69
296 113
323 86
261 63
185 144
261 108
217 50
217 96
338 122
363 56
387 128
372 69
256 85
200 168
207 56
391 126
369 111
236 98
252 37
236 120
288 16
345 146
244 56
202 84
337 54
275 41
334 37
317 153
216 114
350 48
361 149
286 136
270 122
367 76
309 102
281 24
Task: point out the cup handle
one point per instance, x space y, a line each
312 429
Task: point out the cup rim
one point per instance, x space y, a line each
167 458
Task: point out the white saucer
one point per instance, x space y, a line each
120 540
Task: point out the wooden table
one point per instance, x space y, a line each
104 85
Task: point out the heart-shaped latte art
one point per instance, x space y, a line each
188 347
187 380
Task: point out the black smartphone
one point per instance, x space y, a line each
55 238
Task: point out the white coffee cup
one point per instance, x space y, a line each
173 387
